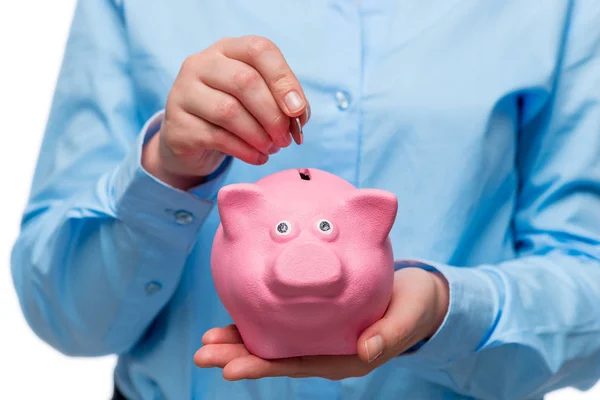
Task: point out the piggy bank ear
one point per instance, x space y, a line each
372 212
239 207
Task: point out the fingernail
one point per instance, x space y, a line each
274 149
374 347
261 159
293 101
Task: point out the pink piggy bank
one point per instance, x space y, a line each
302 262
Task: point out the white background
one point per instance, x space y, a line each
32 39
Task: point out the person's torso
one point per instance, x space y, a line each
421 98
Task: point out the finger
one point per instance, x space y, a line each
267 59
228 334
329 367
248 86
200 134
246 367
225 111
218 355
228 143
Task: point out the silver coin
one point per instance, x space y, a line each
297 133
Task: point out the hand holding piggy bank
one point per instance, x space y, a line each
302 262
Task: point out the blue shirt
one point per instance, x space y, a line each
482 117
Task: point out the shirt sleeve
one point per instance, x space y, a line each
102 243
527 326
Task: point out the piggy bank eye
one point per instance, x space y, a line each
325 226
283 228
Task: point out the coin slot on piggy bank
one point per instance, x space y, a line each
304 174
303 269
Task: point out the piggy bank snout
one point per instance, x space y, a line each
307 269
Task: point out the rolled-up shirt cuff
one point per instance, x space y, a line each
143 201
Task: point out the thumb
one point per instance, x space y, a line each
398 330
417 308
387 337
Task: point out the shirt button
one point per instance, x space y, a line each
153 287
343 100
183 217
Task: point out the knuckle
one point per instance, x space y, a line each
245 78
219 46
258 45
223 42
227 109
189 63
193 65
282 79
